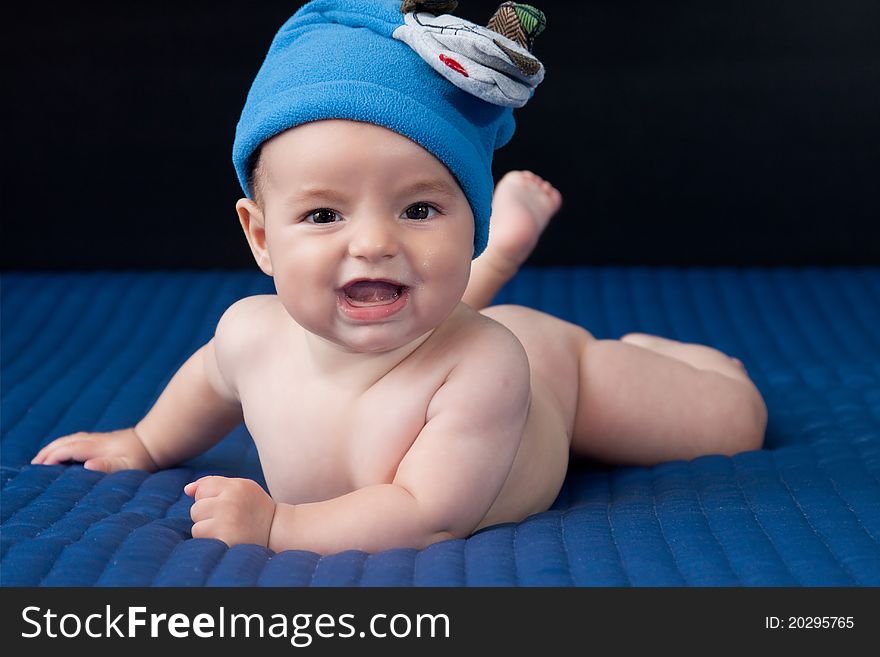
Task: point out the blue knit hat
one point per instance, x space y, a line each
446 83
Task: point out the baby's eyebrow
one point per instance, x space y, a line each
310 193
436 186
428 186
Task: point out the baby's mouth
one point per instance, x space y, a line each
372 293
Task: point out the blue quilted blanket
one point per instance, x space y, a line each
92 352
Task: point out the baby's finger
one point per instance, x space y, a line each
77 450
205 529
41 455
209 486
203 509
106 464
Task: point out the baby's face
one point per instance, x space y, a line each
369 236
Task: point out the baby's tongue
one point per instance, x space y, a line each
372 292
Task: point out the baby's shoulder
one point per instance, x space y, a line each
250 314
489 370
249 309
484 343
246 325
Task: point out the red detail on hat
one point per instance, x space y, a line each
454 65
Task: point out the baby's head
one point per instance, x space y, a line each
445 83
385 112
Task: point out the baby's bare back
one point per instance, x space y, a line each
324 430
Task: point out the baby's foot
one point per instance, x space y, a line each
521 209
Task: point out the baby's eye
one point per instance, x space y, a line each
420 211
323 216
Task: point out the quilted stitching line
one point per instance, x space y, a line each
169 504
60 413
691 303
739 331
844 291
843 499
46 301
464 563
662 531
613 537
8 480
15 291
761 525
122 542
133 346
311 581
362 566
743 337
637 309
812 527
813 342
832 324
161 570
37 492
513 540
700 317
12 308
156 342
220 558
678 309
70 510
699 495
48 491
96 346
49 351
580 312
782 347
870 282
863 461
631 285
565 548
604 276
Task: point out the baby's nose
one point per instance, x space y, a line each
374 239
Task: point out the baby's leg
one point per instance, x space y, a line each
643 400
700 356
521 208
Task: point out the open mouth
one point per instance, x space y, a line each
366 293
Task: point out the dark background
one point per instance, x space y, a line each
739 132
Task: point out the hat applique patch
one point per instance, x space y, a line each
454 65
495 66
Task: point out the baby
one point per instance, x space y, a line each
389 406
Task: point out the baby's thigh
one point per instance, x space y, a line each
552 345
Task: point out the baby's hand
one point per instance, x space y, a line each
107 452
233 510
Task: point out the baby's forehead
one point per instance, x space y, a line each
339 149
331 135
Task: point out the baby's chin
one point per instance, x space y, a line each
375 340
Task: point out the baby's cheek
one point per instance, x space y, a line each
311 311
451 271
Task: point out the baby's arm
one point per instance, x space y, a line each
194 411
443 487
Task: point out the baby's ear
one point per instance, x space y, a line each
253 224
